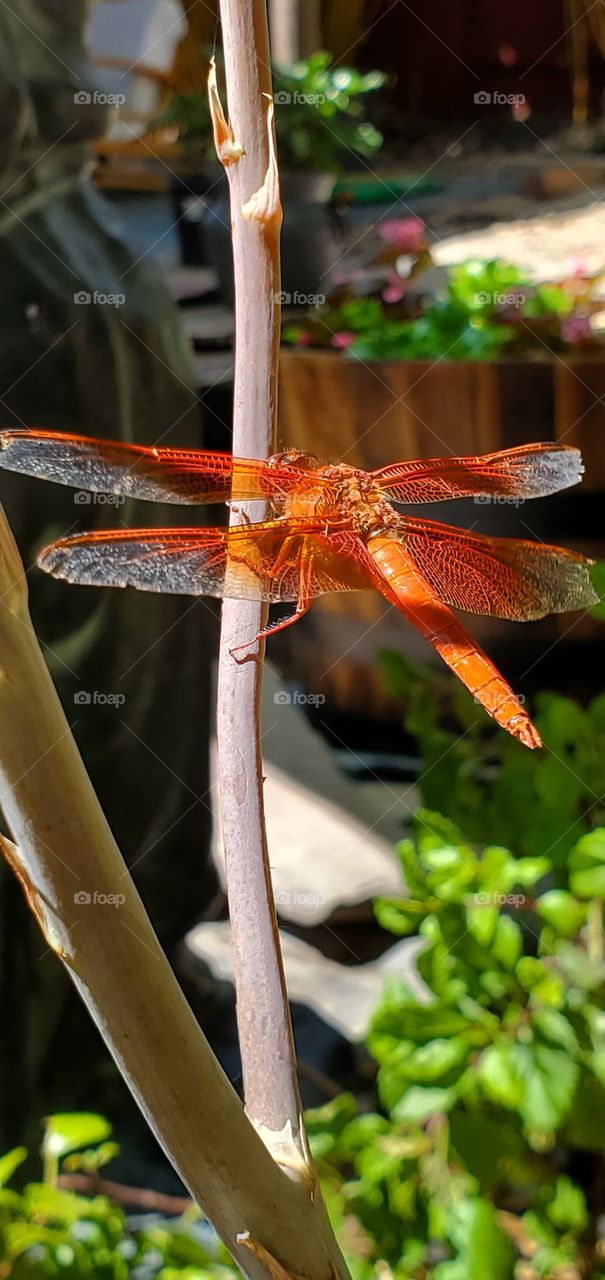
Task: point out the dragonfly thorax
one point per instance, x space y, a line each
350 499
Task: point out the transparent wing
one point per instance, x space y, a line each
251 562
530 471
503 577
137 471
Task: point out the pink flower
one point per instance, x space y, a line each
578 268
394 292
342 340
405 234
575 329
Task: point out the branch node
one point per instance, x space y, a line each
35 900
290 1150
275 1269
14 595
227 149
264 205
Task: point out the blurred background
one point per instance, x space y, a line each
439 888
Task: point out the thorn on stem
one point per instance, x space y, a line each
227 149
265 205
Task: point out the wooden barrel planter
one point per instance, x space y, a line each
367 415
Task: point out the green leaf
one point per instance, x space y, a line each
417 1022
333 1116
597 574
552 1025
434 1060
481 921
93 1159
485 1145
45 1203
66 1131
413 873
585 1127
562 911
443 831
529 870
418 1104
10 1162
587 865
481 1241
567 1209
542 981
508 942
501 1073
550 1083
401 916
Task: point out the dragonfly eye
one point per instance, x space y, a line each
294 458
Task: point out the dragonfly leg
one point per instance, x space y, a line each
302 607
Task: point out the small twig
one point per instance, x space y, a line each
246 146
90 1184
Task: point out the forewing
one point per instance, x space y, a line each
530 471
250 562
136 471
503 577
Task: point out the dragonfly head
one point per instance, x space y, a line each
295 458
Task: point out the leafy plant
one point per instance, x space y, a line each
319 113
535 803
486 1157
47 1231
485 309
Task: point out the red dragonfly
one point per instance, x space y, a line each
331 528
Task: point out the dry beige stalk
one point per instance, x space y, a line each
72 872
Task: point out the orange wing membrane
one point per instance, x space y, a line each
251 562
136 471
531 471
502 577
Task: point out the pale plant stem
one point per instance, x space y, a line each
268 1059
91 915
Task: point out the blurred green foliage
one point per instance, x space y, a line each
534 802
485 1159
484 310
320 115
46 1231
